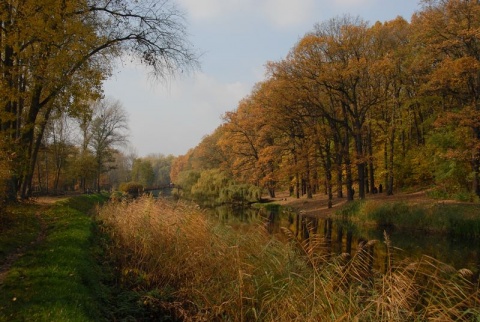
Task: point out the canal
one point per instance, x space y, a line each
340 237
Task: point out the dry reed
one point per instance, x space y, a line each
205 271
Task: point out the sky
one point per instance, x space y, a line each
236 38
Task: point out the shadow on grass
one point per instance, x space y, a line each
57 279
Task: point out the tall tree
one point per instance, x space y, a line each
57 52
448 37
142 172
351 75
60 142
108 131
392 43
161 165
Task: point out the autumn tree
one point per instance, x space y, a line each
121 168
179 165
209 153
55 54
312 114
161 165
142 172
108 130
354 104
60 141
242 127
396 110
448 40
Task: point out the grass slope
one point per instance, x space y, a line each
57 279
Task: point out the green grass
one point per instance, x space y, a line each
18 227
57 279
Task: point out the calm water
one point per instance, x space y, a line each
457 253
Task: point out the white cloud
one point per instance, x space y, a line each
285 13
279 13
170 118
205 90
208 9
352 3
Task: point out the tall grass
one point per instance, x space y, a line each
183 266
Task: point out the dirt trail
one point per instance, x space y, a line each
318 205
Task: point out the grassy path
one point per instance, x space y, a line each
13 256
49 271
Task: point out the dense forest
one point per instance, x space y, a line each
357 108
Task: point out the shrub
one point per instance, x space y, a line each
185 181
216 187
132 189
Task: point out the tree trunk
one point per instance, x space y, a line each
297 175
385 164
360 160
308 181
337 142
367 179
348 169
338 164
371 169
476 165
326 158
390 163
99 173
30 144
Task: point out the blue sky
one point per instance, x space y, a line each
237 38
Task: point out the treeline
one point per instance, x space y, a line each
87 156
54 57
356 107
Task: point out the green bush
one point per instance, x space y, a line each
459 220
438 193
240 193
442 193
350 209
185 181
466 196
216 187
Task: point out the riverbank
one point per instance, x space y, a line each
181 264
165 251
318 205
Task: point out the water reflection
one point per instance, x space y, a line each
344 237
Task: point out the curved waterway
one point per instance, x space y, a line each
346 238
